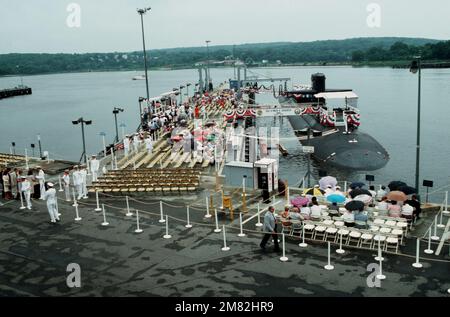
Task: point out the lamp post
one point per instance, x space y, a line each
40 145
83 122
187 89
141 12
13 144
115 112
141 99
181 94
207 63
416 67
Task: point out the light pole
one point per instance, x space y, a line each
181 94
115 112
14 147
83 122
141 13
208 72
416 66
40 145
141 99
187 90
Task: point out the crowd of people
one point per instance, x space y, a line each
32 184
409 209
171 119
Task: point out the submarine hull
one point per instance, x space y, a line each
356 151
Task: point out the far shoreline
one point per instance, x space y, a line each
388 64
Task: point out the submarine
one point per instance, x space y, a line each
329 121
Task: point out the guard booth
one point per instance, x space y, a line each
235 171
267 174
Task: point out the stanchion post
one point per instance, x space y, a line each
435 237
340 250
104 223
259 224
129 213
74 199
225 248
77 218
138 229
241 233
379 257
417 264
188 225
98 202
208 215
167 235
161 220
217 230
303 244
329 267
380 274
429 250
446 204
284 258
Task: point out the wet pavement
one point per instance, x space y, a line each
116 261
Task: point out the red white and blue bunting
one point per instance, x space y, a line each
354 119
239 114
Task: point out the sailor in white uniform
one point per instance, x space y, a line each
149 144
83 173
95 165
41 178
66 183
25 188
52 203
126 145
78 182
136 142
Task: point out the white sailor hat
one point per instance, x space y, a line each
50 184
93 155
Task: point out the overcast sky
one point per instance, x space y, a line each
114 25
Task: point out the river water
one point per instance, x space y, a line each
388 104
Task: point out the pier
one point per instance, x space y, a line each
164 214
17 91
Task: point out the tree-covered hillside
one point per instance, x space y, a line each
356 50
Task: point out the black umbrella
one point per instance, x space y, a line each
354 205
408 190
359 191
395 185
357 184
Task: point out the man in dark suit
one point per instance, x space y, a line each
270 229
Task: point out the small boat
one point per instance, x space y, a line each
139 77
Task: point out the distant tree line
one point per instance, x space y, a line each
358 50
400 51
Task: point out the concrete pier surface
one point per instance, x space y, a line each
116 261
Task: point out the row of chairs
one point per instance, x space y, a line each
174 188
160 178
360 238
193 171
